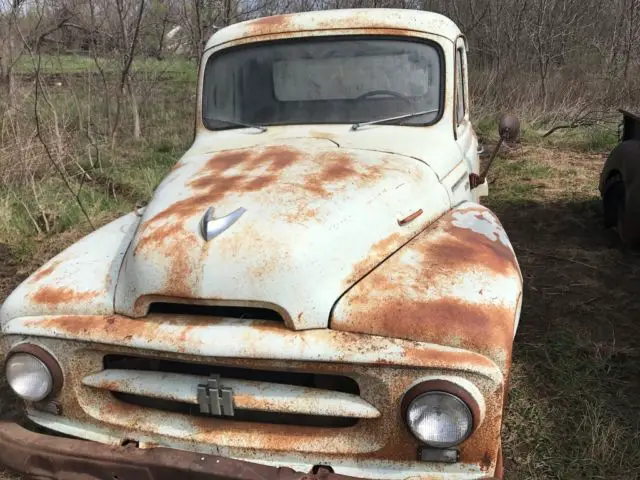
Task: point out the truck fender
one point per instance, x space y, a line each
456 284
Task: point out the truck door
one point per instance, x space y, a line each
465 136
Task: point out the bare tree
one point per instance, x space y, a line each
10 50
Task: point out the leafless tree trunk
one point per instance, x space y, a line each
10 51
128 43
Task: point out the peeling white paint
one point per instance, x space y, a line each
483 223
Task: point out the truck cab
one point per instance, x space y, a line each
313 291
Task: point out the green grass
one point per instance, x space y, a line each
516 180
598 138
124 179
178 69
143 171
569 409
54 212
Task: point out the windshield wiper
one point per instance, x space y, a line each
237 124
356 126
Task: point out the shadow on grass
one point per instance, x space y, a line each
575 393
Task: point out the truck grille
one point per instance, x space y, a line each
260 396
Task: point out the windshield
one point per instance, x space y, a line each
323 80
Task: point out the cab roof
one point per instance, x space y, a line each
376 19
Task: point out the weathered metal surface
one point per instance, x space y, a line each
81 279
456 284
249 339
301 200
372 20
65 459
247 395
380 447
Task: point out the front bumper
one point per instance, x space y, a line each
47 457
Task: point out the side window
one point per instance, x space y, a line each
460 87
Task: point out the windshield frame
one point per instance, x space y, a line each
299 39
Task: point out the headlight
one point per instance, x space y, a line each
441 413
439 419
32 373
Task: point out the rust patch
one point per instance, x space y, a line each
48 295
485 463
409 297
355 23
322 135
121 329
462 249
181 269
45 272
303 215
335 169
271 24
464 246
213 183
483 446
447 358
446 321
377 254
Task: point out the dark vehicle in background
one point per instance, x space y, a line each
620 182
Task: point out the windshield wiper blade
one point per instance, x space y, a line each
237 124
356 126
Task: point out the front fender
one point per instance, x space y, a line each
80 280
456 284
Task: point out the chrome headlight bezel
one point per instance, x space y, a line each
49 367
452 393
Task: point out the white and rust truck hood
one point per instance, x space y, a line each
318 218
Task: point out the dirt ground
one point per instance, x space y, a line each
575 393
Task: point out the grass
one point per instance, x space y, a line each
177 69
589 139
115 190
575 389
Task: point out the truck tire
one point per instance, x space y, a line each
616 213
613 200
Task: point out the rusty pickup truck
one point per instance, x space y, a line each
314 290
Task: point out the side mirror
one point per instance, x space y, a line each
509 130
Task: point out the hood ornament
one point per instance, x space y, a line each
211 227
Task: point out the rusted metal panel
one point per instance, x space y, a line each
302 200
51 457
81 279
249 339
378 447
456 284
373 20
68 459
247 395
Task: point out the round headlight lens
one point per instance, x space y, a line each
439 419
28 377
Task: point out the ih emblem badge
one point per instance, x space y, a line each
215 399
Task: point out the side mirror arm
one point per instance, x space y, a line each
509 130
